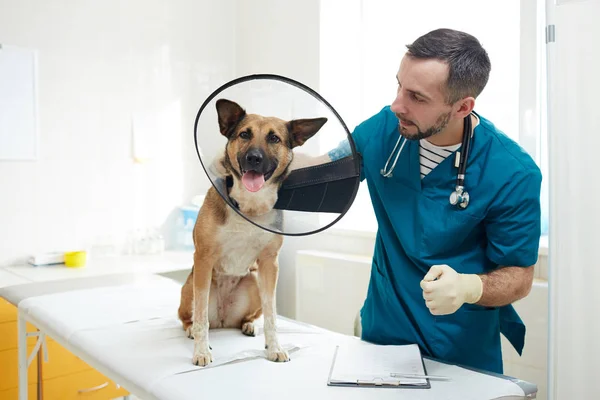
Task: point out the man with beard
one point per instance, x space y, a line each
444 272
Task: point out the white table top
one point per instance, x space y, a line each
9 279
130 333
168 261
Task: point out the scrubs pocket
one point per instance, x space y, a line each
470 336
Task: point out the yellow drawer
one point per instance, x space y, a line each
9 365
9 335
8 312
13 394
89 385
61 362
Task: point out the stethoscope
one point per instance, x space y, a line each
459 197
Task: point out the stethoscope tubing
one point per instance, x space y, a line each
384 172
462 154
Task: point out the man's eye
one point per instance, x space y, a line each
273 139
418 99
244 135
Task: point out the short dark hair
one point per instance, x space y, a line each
468 62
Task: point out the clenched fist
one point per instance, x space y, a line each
445 290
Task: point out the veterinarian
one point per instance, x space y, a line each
451 254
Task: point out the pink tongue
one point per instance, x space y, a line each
253 181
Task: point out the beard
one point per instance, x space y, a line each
436 128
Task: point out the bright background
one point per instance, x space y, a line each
118 86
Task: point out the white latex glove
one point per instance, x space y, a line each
451 289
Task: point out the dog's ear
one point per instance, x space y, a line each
303 129
230 114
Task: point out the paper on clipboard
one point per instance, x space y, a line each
366 364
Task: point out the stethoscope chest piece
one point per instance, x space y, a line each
459 197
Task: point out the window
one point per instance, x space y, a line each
542 113
362 43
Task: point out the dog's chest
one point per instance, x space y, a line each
241 244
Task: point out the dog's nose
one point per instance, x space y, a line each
254 157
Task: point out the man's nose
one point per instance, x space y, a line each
254 157
398 105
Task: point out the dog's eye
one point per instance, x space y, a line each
273 138
245 135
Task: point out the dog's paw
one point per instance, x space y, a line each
202 358
188 332
248 329
277 354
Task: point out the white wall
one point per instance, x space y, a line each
100 64
279 37
574 192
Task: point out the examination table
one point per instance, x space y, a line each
126 327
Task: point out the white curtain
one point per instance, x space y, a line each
574 147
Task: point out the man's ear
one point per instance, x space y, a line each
303 129
465 106
230 114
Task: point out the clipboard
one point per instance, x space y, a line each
362 364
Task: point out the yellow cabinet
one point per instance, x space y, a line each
88 384
65 376
9 365
13 394
9 357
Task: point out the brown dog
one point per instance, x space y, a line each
236 268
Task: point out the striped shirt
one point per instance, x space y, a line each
431 155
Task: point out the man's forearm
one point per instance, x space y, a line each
505 285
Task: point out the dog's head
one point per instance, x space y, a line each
259 149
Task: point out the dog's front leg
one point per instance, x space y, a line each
200 324
268 270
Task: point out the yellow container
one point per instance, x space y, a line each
75 258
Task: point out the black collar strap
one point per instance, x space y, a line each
328 188
222 186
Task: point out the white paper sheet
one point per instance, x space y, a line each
361 362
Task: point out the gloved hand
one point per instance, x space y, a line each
451 289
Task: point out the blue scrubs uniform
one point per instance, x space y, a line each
418 228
